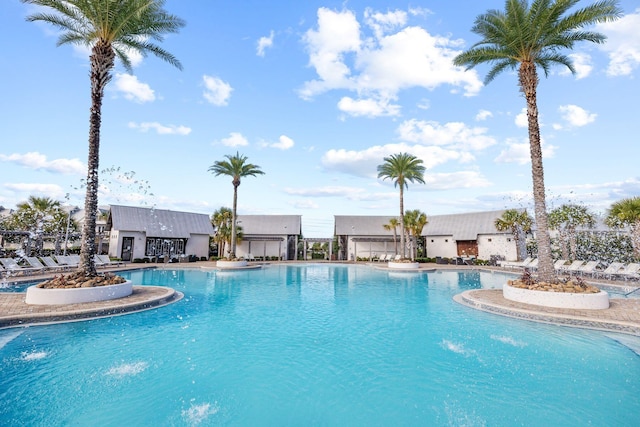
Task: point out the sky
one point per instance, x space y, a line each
317 93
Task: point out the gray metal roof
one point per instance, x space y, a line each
275 225
464 226
159 222
362 225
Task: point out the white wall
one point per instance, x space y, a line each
497 244
370 249
259 248
443 246
197 245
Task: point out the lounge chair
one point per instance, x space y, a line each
590 267
11 265
533 265
35 263
516 264
250 257
51 264
574 267
631 271
396 258
383 257
611 270
107 261
560 265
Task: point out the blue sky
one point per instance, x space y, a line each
317 93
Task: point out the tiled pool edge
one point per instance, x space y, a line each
474 299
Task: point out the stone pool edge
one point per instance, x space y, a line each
615 319
15 313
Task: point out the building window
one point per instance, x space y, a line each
508 239
446 240
431 240
489 239
158 246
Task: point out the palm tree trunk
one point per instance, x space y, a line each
234 231
102 61
402 243
528 83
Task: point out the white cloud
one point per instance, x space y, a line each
582 65
575 116
264 43
623 44
364 163
160 129
483 115
452 134
521 119
217 91
380 66
53 191
38 161
453 180
132 89
284 143
235 139
368 107
520 152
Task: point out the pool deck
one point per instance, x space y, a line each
622 316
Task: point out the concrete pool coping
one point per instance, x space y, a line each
623 315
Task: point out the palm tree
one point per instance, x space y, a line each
526 37
237 168
414 222
221 221
36 215
111 28
393 225
566 219
517 222
402 168
627 212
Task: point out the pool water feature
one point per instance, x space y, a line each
316 344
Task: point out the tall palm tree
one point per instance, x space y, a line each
566 219
526 37
237 168
112 28
402 168
392 225
517 222
414 222
627 212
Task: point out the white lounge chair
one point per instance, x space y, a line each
106 261
12 265
611 270
516 264
590 267
631 271
383 258
560 265
51 264
574 267
250 257
35 263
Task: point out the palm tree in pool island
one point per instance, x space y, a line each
111 28
236 167
402 168
627 212
526 36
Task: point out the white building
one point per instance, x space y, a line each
269 236
148 232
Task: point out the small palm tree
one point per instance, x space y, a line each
392 225
414 222
517 222
402 168
627 212
37 216
111 28
237 168
526 37
566 219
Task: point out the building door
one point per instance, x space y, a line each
127 248
467 248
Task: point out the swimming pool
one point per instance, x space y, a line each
316 345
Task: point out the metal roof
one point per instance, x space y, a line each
274 225
466 226
362 225
159 222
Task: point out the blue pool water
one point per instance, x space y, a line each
316 345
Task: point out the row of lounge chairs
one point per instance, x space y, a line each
47 264
615 270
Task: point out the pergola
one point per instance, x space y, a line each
317 240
